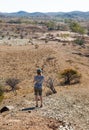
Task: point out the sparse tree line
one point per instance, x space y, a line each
65 25
17 28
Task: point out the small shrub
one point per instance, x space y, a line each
70 76
3 36
36 46
76 27
79 41
46 40
12 82
1 94
1 91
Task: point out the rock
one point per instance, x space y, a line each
6 108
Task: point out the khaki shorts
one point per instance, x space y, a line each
38 91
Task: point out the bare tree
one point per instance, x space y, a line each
12 82
50 84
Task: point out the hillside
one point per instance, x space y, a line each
68 109
69 15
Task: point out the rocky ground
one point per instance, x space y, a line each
66 110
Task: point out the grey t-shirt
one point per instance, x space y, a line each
38 81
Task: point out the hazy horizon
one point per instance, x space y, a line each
44 6
45 12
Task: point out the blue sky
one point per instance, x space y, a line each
43 5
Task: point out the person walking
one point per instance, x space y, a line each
38 83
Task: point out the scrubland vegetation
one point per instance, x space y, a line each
61 48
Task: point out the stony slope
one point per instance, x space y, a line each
66 110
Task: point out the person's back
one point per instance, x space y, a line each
38 81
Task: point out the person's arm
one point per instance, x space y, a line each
45 82
34 80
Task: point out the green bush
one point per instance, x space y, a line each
70 76
79 41
76 27
50 25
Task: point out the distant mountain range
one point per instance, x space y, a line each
73 14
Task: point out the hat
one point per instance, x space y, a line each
39 70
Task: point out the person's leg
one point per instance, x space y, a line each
36 96
36 99
40 94
41 101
